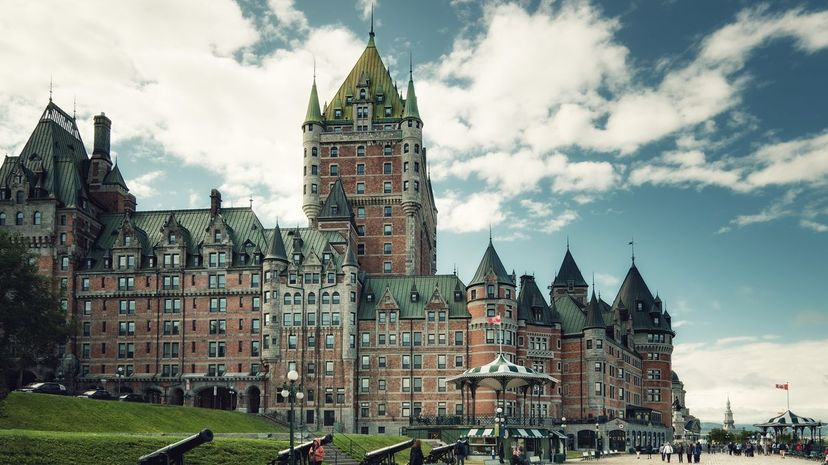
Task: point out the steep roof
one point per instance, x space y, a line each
56 147
411 110
490 263
400 288
594 314
313 115
572 314
336 205
569 271
350 258
530 298
114 178
633 290
369 66
277 246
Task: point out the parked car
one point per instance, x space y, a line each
100 394
45 388
132 397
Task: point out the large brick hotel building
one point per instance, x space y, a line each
211 308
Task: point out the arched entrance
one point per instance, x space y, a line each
216 397
253 399
586 439
617 440
153 395
176 397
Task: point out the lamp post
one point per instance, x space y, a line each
597 441
563 431
500 423
292 392
620 425
119 375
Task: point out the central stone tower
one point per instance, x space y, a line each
370 139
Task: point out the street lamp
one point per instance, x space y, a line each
563 430
597 440
292 392
119 375
500 423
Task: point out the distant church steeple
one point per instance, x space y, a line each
728 420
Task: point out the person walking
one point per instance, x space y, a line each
689 453
649 452
416 457
661 451
460 452
782 449
500 452
668 451
317 452
697 452
680 452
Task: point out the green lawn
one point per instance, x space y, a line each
57 413
48 447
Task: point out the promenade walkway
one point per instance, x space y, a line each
706 459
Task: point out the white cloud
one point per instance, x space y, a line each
143 186
559 221
607 281
747 368
814 226
774 211
365 7
468 213
287 15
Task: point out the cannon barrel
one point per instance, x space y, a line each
379 455
437 454
174 453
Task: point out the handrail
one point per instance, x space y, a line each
354 449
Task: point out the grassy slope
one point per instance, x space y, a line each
56 413
47 447
369 443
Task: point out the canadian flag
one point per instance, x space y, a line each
782 386
495 320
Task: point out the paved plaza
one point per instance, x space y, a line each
706 459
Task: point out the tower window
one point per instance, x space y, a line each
386 187
405 148
334 170
314 152
338 113
36 218
386 211
18 219
334 152
387 150
361 151
416 148
386 168
362 94
360 188
360 168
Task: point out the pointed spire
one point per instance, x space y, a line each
372 21
50 88
594 318
313 115
411 110
350 258
277 246
490 263
569 271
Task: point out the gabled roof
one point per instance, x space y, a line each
313 115
370 64
400 288
594 314
530 298
276 251
336 205
569 271
114 178
490 263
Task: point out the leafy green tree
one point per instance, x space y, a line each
720 436
744 435
32 323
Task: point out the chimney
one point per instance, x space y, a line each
103 127
215 202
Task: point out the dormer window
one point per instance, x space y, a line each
326 257
334 209
349 100
490 291
370 297
458 296
362 94
172 239
337 113
639 306
387 111
217 235
380 98
655 320
415 296
570 285
127 241
297 258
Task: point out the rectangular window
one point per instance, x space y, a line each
458 361
360 188
386 267
441 361
458 338
386 168
329 368
387 230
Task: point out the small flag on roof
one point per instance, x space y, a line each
782 386
495 320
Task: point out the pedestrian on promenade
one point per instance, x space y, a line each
825 452
416 457
638 452
460 452
317 452
500 452
649 452
494 454
690 453
697 452
680 452
782 449
668 451
662 452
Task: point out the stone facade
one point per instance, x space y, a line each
209 308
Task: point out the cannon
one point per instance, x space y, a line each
300 450
385 456
174 453
443 454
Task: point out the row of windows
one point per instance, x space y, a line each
296 298
491 292
19 218
216 304
173 327
406 361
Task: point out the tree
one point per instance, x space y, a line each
720 436
32 324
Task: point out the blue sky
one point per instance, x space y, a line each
698 128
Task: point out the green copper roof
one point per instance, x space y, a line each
336 205
350 258
411 110
490 263
569 271
313 114
370 63
400 287
277 246
114 177
530 303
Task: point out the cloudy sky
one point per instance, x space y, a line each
700 128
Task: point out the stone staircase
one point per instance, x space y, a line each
334 456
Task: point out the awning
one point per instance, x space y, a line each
528 433
481 433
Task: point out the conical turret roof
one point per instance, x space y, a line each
490 263
530 300
594 317
336 205
569 271
411 110
276 251
114 177
313 115
350 258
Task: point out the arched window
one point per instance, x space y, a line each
416 148
335 297
297 299
18 220
306 152
311 298
362 94
326 298
287 298
2 218
405 148
36 218
19 196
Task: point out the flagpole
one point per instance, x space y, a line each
501 337
788 394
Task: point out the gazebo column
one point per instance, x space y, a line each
474 403
463 402
523 405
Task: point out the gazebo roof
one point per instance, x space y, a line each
789 419
501 374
